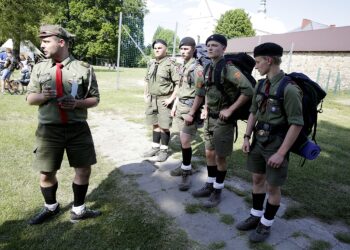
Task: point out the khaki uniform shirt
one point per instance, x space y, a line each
44 74
162 77
191 80
234 83
273 113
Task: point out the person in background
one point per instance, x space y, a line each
161 80
186 110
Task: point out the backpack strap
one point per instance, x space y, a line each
220 66
190 76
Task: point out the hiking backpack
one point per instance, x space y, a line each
245 63
313 96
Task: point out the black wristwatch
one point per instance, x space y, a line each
246 136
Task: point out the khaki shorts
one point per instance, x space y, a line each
258 157
181 110
52 140
218 136
157 114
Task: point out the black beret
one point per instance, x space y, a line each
268 49
218 38
159 41
188 41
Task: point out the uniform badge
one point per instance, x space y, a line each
237 75
199 73
199 84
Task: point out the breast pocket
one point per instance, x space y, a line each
274 107
163 76
259 99
45 80
82 89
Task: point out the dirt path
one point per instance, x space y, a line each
123 142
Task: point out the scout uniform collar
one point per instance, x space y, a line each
277 78
189 62
214 62
65 62
161 60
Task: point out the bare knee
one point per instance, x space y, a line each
82 175
259 181
47 179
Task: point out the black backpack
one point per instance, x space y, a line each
313 96
201 55
245 63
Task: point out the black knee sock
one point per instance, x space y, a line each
212 171
165 138
49 194
220 176
186 156
79 192
156 137
258 201
270 211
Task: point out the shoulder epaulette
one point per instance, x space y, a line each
85 64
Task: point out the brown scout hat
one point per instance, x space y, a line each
54 30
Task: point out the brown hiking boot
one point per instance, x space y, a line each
162 155
248 224
260 234
204 191
214 199
151 152
185 181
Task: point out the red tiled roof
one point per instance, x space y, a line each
333 39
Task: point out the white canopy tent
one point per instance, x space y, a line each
26 47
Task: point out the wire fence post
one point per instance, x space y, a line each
329 77
337 83
290 57
119 42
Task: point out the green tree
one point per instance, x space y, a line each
95 24
235 23
20 20
168 36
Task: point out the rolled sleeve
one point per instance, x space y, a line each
33 86
93 91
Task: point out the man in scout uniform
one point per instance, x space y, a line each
63 88
275 130
161 79
190 96
218 112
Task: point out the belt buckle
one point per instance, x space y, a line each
262 132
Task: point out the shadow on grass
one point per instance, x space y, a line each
129 220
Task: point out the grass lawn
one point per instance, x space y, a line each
130 220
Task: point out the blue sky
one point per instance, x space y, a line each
166 13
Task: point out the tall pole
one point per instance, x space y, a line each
119 41
290 57
174 42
